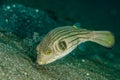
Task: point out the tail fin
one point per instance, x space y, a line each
104 38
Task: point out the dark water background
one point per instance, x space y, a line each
92 14
97 14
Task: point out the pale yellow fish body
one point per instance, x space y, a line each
62 40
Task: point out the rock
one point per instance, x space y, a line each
15 66
23 21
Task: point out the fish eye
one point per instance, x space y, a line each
48 52
62 45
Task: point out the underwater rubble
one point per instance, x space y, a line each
23 21
21 29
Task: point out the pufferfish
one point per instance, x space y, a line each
62 40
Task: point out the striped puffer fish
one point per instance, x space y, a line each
62 40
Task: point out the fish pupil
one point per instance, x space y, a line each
62 45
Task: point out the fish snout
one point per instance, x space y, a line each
42 59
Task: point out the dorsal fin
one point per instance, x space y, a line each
77 25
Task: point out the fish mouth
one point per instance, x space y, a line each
45 62
43 59
40 62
